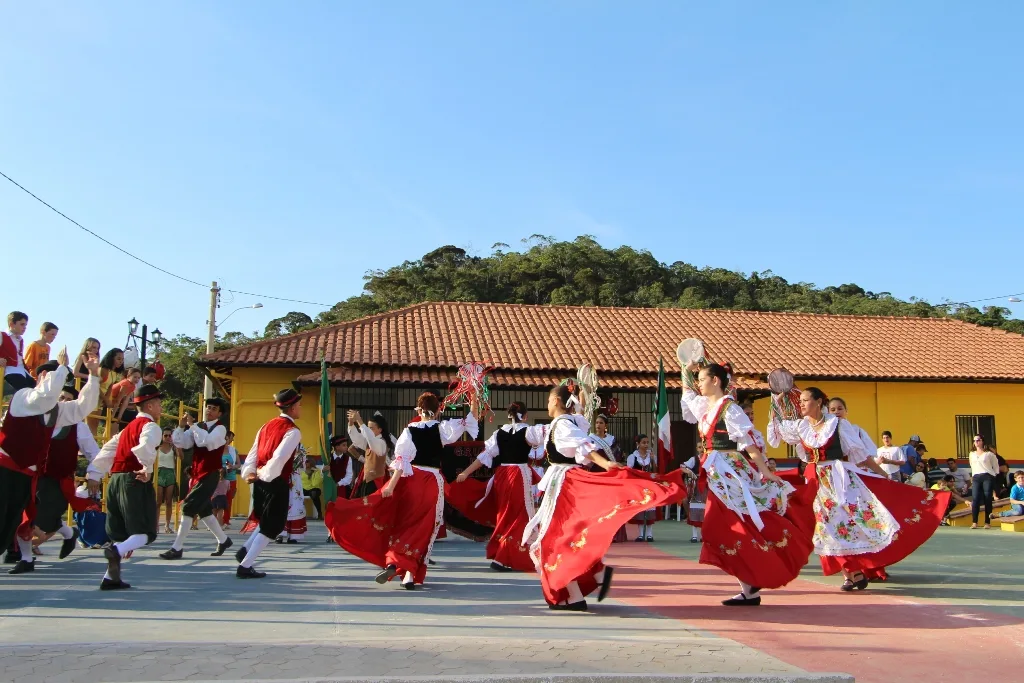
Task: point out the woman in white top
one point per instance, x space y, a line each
166 478
984 468
395 528
643 459
582 511
378 446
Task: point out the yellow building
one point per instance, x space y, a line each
938 378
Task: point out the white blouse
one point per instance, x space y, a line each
637 460
364 439
569 434
984 463
450 431
799 432
534 436
699 410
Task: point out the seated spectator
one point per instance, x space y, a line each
1017 496
121 395
772 465
963 477
1002 484
890 458
935 473
312 486
12 354
38 352
948 483
919 478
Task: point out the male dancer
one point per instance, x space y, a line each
208 440
269 468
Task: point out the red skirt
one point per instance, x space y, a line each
295 527
513 498
463 496
767 558
399 530
590 509
918 512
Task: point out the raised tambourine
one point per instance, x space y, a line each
691 351
780 381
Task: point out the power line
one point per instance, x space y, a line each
991 298
141 260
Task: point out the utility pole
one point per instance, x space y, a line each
211 333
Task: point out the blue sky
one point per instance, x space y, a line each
286 152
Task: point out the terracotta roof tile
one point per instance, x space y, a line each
556 339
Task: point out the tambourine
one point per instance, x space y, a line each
780 381
785 396
691 351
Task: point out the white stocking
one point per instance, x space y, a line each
258 543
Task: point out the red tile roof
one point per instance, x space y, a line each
545 341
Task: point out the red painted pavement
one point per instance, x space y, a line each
876 637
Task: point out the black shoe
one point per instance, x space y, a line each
67 546
12 557
240 554
279 539
580 606
861 584
248 573
650 539
639 539
498 567
171 554
694 540
411 586
23 567
113 563
291 540
743 602
386 574
430 561
221 547
108 585
606 585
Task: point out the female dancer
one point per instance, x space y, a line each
696 494
754 528
395 527
643 459
864 521
378 446
581 510
510 489
295 525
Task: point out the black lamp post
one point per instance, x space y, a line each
156 339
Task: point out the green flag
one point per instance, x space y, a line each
325 409
663 420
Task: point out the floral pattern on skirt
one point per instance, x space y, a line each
850 522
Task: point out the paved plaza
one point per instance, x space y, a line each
319 615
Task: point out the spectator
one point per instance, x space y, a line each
220 499
91 348
935 473
121 395
890 458
984 467
1017 496
910 453
231 469
149 375
962 477
772 465
919 478
12 354
38 352
166 478
111 370
1001 486
312 485
948 483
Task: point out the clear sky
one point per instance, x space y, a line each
287 148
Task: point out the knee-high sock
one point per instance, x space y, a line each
747 590
184 526
575 594
259 542
214 526
65 532
252 537
26 550
408 578
133 542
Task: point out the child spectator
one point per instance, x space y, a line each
890 458
1017 496
149 375
121 394
935 473
948 483
230 473
1002 484
38 352
12 354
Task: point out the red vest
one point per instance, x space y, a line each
9 350
205 460
62 459
124 458
339 466
27 439
271 437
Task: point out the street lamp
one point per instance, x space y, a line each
217 325
1014 300
211 330
156 338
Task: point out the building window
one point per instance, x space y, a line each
969 425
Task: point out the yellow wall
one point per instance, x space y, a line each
926 409
252 405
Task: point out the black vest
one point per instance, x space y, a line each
554 457
512 448
832 450
429 449
718 438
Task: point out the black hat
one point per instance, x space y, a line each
335 440
70 389
146 392
48 366
286 398
219 402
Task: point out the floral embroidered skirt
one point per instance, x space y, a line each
866 523
399 530
581 513
767 557
512 495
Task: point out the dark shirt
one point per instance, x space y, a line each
935 476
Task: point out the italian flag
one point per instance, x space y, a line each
663 420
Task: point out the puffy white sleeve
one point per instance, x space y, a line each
375 443
757 438
536 435
452 430
693 405
215 438
869 445
405 453
356 438
568 436
490 451
41 398
284 451
182 438
149 441
631 460
101 464
739 427
71 412
87 445
249 466
783 430
852 443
